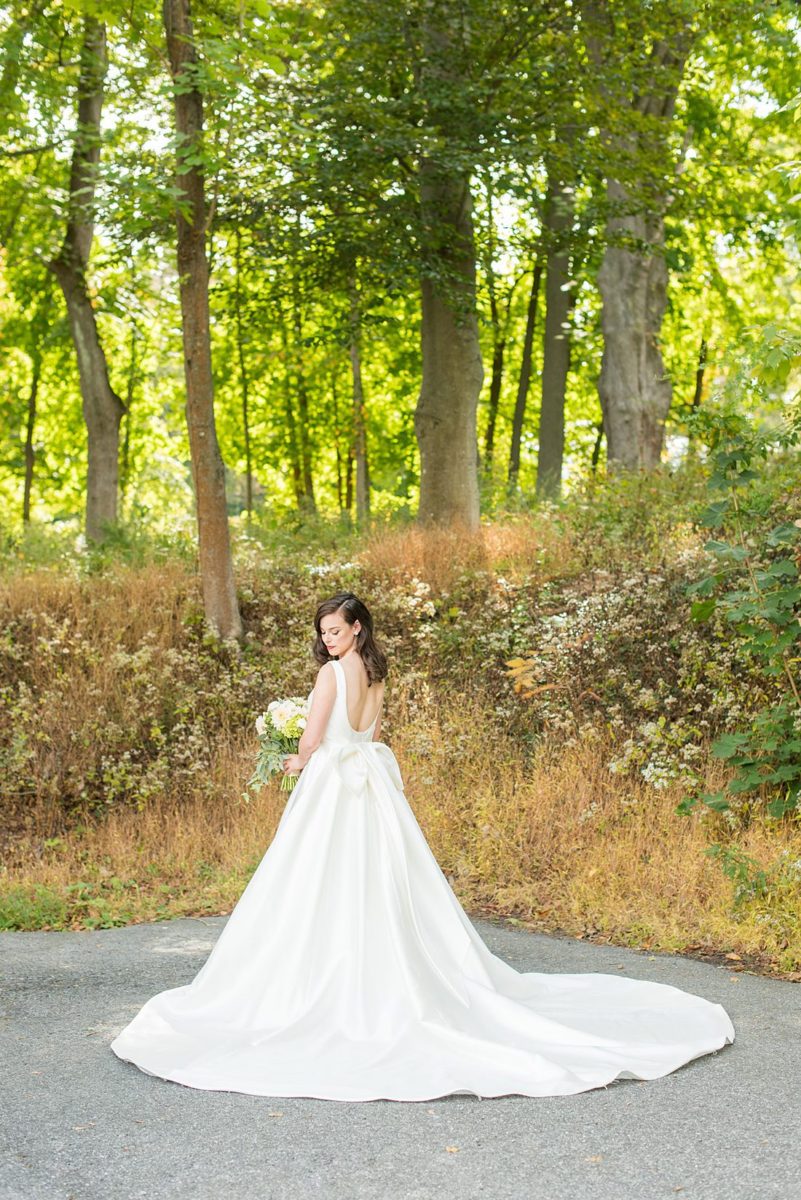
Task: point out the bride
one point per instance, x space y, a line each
348 970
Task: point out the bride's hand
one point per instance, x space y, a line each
292 764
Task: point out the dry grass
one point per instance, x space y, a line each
71 627
138 601
567 845
170 859
561 845
516 546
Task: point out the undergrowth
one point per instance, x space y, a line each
126 728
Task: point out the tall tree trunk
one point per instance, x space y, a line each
524 379
102 407
445 417
36 371
557 220
304 440
596 449
208 472
291 424
498 339
243 376
359 411
337 443
634 389
700 372
496 381
125 471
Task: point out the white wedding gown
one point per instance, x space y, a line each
349 971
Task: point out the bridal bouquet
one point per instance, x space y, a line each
279 730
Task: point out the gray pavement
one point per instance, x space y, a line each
76 1123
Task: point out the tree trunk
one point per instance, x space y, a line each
303 400
496 380
557 219
243 376
129 396
36 372
291 425
445 417
208 472
498 340
337 444
102 407
525 376
700 372
596 449
634 389
359 412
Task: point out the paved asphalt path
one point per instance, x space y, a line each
76 1123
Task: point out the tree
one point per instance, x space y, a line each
445 417
102 407
500 297
638 63
37 333
324 131
524 377
244 380
359 410
208 473
557 221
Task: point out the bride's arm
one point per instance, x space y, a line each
322 703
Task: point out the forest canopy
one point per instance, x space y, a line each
457 255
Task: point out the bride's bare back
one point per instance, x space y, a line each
364 702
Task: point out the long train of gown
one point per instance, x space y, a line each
348 970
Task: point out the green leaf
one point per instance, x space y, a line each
726 550
783 534
703 587
702 609
784 773
715 513
729 744
715 800
747 781
780 805
783 568
718 482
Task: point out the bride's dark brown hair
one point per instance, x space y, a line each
353 610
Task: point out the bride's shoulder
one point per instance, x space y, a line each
326 679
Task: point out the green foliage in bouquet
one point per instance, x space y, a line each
279 730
